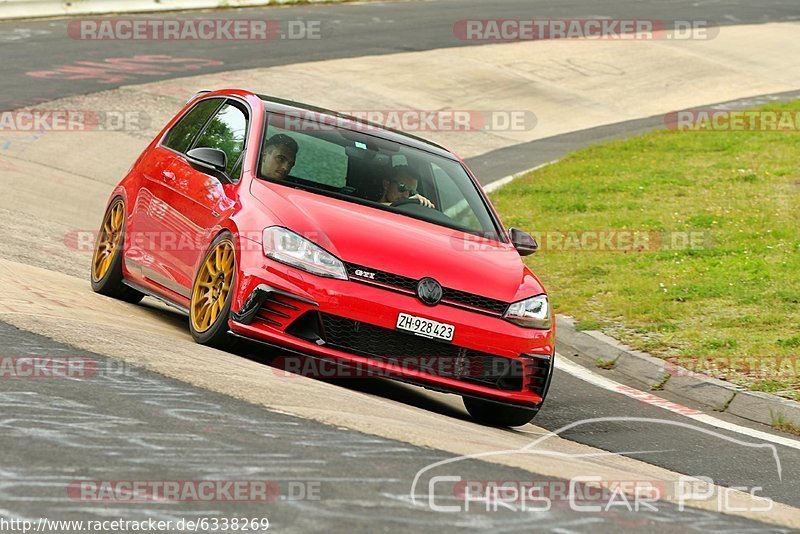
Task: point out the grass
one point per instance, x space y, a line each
659 386
605 364
779 422
714 269
588 325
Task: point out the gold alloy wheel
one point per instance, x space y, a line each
212 286
108 240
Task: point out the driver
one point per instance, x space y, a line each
402 184
280 155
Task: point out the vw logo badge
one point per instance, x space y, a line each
429 291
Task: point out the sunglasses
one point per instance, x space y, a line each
403 188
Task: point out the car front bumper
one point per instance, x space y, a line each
355 324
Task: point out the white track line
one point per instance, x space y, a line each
497 184
648 398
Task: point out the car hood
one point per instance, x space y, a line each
398 244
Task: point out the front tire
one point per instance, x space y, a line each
106 272
212 293
496 414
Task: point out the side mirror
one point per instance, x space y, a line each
523 242
210 161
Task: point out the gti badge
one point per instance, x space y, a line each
364 274
429 291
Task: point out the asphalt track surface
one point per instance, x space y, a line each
126 426
348 30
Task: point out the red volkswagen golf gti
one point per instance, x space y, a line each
323 235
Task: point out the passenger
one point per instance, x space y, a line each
402 184
279 157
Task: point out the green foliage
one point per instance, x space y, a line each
721 273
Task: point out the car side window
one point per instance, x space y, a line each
318 160
184 132
453 201
227 132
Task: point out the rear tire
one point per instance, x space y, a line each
106 270
496 414
212 294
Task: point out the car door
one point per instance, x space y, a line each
141 250
198 201
157 228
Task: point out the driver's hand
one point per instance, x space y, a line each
422 200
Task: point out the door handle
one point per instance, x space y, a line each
168 175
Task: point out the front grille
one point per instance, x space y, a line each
409 285
474 301
421 354
388 279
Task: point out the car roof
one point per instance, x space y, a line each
280 105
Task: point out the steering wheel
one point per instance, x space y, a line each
406 202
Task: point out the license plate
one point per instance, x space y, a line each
425 327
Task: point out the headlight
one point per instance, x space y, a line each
530 313
287 247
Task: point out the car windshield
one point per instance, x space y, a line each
358 167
